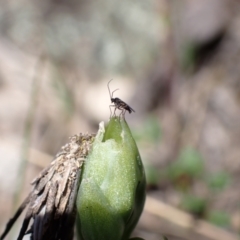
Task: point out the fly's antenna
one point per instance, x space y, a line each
111 94
114 91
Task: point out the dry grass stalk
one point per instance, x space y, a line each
51 203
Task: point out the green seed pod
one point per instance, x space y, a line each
112 189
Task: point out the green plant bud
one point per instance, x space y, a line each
112 189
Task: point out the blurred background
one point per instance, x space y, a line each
176 63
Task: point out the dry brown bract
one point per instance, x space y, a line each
51 203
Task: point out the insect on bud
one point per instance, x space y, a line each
112 189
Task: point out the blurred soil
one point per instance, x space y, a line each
176 62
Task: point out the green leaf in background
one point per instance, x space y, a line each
219 218
195 205
218 181
152 175
189 164
112 189
188 57
150 131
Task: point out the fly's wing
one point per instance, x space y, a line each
128 108
123 106
132 110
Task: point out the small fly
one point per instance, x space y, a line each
118 103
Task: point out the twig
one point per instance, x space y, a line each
167 220
28 125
